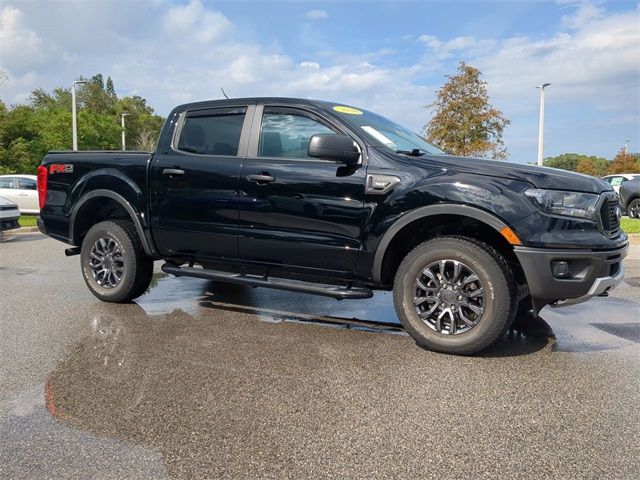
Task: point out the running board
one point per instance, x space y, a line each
337 292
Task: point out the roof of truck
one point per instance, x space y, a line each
253 100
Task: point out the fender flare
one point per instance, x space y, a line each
147 244
428 211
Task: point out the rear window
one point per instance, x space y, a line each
212 132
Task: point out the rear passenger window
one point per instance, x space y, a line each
27 184
6 182
212 132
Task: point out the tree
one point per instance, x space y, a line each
464 123
577 162
625 163
110 89
28 132
587 166
93 96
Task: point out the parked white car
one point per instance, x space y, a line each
22 190
618 179
9 215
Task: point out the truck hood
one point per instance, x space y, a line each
540 177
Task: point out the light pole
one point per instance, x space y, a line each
123 132
541 126
74 122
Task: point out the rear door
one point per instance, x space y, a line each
296 210
28 195
194 183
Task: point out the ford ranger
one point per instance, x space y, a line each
329 199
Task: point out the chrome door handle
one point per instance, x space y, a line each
172 171
261 179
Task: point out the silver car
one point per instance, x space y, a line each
9 215
22 190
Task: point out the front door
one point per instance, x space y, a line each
194 184
296 210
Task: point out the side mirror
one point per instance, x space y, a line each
333 146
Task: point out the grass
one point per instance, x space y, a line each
630 225
28 220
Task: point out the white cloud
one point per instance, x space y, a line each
592 60
317 15
595 60
20 46
194 21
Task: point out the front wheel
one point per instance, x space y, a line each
454 295
114 264
634 208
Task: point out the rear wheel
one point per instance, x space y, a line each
114 264
634 208
454 295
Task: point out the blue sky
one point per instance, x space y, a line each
389 57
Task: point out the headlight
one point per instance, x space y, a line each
567 204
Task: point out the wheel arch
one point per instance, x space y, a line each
490 224
84 215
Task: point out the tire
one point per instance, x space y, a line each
488 304
634 208
127 261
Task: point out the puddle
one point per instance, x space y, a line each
601 324
628 331
167 293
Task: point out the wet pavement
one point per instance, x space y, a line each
203 380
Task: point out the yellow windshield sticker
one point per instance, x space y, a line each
349 110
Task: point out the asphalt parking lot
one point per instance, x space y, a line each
202 380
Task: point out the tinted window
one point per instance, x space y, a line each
6 182
27 184
286 133
212 132
617 181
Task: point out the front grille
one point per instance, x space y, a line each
609 217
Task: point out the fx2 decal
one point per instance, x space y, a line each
60 168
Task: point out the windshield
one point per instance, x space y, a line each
380 131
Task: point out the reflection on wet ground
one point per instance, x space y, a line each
199 379
219 395
572 327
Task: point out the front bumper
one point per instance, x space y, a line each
591 273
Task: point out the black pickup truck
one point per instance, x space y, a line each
329 199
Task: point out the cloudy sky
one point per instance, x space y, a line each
389 57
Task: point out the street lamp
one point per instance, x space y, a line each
541 126
74 123
123 132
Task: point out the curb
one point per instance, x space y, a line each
634 238
24 230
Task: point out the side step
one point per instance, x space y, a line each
337 292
